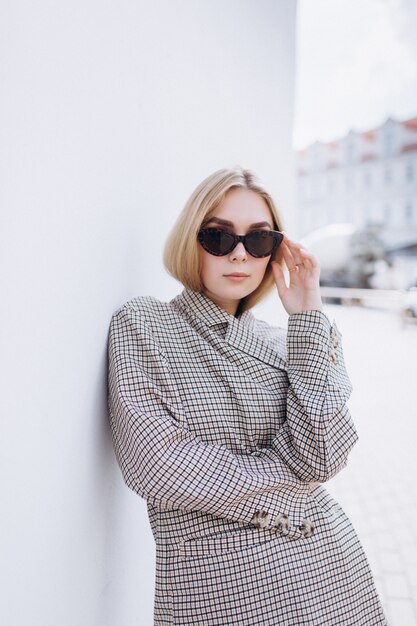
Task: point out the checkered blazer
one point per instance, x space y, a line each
228 427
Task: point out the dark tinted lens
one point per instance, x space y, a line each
263 242
216 241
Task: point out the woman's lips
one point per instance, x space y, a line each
237 276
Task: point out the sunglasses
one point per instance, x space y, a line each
259 243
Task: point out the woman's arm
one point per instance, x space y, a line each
319 433
163 462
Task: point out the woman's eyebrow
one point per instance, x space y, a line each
222 222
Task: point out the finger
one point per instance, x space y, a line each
293 267
296 250
279 278
306 265
291 242
297 257
295 246
310 257
288 256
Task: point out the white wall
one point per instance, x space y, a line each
110 114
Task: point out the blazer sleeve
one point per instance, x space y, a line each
319 432
166 464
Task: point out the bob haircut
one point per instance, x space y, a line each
181 253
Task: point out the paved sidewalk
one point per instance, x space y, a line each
377 489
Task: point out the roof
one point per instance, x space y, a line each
368 135
411 124
411 147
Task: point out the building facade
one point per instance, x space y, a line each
365 178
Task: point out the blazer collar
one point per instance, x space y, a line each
202 307
240 333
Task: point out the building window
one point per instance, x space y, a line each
349 153
330 184
388 144
409 172
367 179
408 212
349 186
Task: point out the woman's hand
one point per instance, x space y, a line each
303 292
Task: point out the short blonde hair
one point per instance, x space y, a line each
181 255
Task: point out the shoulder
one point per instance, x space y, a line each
144 306
150 314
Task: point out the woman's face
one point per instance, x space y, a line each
241 211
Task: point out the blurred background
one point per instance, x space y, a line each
355 136
110 114
355 143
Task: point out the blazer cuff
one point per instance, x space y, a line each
275 504
314 324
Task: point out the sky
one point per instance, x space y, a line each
356 65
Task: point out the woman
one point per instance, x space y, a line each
228 426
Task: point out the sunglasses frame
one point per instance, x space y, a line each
278 237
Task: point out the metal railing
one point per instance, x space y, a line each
388 299
348 294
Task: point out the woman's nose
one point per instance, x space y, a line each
239 253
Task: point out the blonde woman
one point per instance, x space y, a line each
228 426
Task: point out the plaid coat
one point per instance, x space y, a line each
228 427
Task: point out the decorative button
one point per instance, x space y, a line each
333 357
281 522
261 519
335 335
307 528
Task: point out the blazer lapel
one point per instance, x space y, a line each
237 334
240 336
